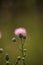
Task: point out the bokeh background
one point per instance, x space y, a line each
27 14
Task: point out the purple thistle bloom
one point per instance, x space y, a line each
20 31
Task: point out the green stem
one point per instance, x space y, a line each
22 51
22 47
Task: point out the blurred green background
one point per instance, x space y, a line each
27 14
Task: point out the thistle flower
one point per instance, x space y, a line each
20 32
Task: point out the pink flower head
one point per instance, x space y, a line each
19 31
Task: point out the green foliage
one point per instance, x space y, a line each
34 42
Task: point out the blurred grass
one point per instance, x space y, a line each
34 25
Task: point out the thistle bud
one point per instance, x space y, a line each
20 36
24 37
23 58
19 58
1 50
14 39
16 63
24 55
7 63
25 50
7 57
